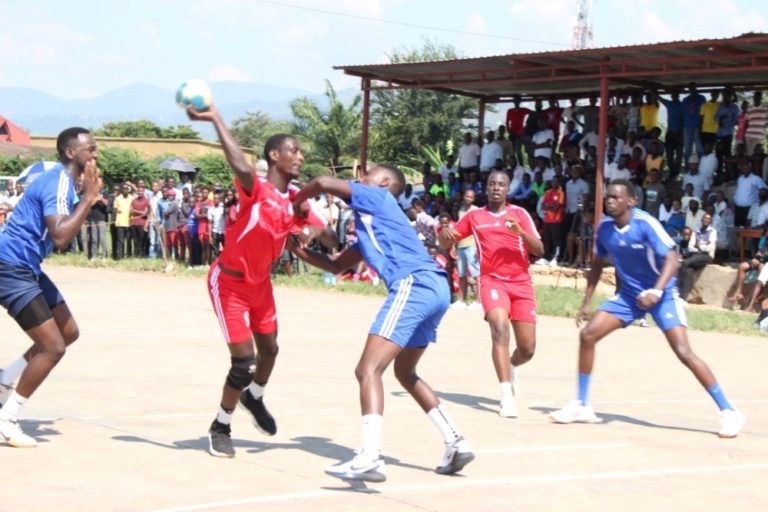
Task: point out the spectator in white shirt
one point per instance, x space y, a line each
747 188
406 197
448 167
618 171
469 155
695 178
490 152
708 164
543 140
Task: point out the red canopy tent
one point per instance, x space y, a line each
9 132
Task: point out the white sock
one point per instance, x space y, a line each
224 416
12 407
443 422
373 427
506 390
256 390
12 372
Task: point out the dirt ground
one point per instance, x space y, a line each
122 421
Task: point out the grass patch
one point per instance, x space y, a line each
552 301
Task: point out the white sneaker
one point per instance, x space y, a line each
643 322
14 436
459 304
541 261
575 412
475 306
514 381
457 455
731 423
361 467
553 262
508 407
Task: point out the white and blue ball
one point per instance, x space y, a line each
194 92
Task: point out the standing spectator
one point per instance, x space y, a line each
571 137
516 126
543 141
182 232
674 137
216 223
426 225
649 112
204 227
747 187
507 147
195 249
467 265
576 197
448 168
554 206
695 178
655 193
633 113
757 120
741 127
490 152
97 228
154 220
692 121
469 155
701 252
709 119
122 207
589 115
727 117
169 213
532 125
140 222
554 115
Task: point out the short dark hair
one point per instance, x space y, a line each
396 175
626 184
274 142
65 138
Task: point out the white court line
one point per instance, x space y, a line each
557 448
456 484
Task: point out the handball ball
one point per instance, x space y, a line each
196 93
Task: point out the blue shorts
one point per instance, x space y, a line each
466 261
413 309
667 313
19 286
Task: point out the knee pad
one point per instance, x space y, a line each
241 372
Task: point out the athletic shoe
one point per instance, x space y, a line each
5 391
514 381
643 322
260 416
10 430
541 261
731 422
457 455
220 440
361 467
575 412
508 407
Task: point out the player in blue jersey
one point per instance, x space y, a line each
407 322
42 220
646 264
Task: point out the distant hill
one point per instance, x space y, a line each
43 114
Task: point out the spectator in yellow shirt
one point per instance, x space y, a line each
709 122
649 112
123 221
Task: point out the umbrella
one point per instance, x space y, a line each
34 171
177 165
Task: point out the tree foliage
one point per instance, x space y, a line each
254 128
330 135
144 129
405 120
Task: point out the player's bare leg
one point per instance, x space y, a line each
498 321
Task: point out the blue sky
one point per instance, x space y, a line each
83 49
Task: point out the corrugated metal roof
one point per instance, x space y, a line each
739 61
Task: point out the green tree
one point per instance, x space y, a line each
330 135
144 129
254 128
403 121
213 168
118 164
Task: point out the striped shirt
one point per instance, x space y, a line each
757 117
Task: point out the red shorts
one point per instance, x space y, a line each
516 297
241 308
205 238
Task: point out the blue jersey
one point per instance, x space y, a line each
386 239
637 251
26 241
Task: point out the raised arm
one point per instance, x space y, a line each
244 171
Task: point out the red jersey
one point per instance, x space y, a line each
553 197
554 115
516 120
263 221
502 253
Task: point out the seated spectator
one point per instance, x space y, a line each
522 191
688 195
438 186
633 143
753 266
758 212
617 171
675 220
538 185
635 163
655 193
578 252
695 178
454 187
655 158
406 197
694 215
426 225
701 252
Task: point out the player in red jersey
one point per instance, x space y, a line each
239 280
506 237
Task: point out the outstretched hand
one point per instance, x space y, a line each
195 115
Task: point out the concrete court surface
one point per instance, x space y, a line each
122 421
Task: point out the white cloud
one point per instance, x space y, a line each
228 73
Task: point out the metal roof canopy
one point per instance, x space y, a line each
739 62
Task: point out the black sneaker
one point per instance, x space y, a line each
255 407
220 440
